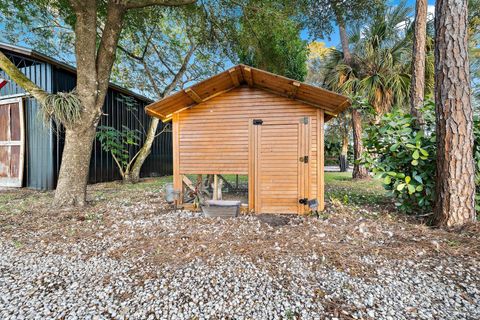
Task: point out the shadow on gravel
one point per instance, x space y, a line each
274 220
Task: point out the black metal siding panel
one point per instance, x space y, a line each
39 172
45 144
102 165
62 81
158 163
160 160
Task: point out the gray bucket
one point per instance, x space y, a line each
221 208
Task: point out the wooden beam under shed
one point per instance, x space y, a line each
247 74
234 77
192 94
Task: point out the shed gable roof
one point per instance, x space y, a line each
329 101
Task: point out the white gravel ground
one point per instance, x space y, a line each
38 284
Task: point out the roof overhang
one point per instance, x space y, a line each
332 103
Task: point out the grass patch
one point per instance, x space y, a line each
339 186
150 184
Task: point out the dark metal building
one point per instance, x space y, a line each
44 144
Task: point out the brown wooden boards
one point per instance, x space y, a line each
12 142
280 156
214 136
280 170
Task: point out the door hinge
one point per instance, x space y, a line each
303 201
304 120
304 159
257 122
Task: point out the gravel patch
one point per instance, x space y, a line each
128 256
43 285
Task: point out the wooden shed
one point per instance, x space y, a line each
251 122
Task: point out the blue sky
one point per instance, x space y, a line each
334 37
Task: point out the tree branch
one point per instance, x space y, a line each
152 80
85 48
134 4
108 45
162 60
180 72
12 71
120 168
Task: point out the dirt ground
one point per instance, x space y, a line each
134 222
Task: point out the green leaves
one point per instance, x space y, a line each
416 155
118 142
404 158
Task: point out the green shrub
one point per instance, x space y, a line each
404 158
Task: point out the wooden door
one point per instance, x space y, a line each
281 166
12 142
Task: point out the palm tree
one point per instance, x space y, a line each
379 68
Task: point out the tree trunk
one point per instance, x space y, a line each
359 171
347 56
73 177
344 153
455 185
134 174
417 86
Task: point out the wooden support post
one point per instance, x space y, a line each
177 177
188 183
199 181
215 187
236 182
320 160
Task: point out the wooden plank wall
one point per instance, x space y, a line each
213 136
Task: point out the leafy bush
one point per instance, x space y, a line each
405 158
118 143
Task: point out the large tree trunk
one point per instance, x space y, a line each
73 178
359 171
418 63
455 185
